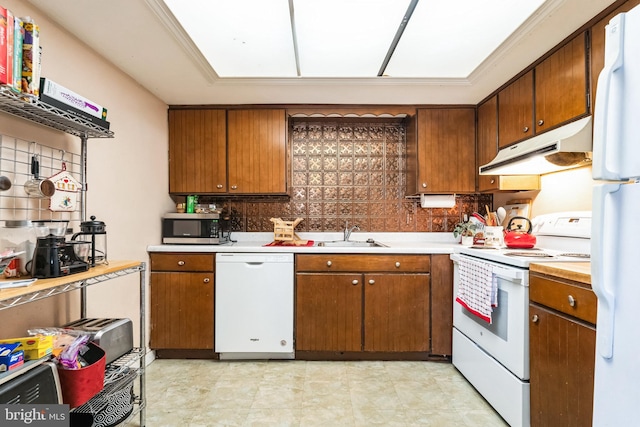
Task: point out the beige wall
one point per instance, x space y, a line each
560 192
127 175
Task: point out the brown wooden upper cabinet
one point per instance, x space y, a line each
203 143
597 46
257 151
197 151
441 151
554 92
487 129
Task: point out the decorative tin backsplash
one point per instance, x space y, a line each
351 172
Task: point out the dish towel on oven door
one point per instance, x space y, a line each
478 288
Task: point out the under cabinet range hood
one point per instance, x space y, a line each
568 146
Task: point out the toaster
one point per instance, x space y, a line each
114 336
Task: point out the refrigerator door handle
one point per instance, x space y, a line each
603 276
606 119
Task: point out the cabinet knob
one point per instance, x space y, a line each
234 187
534 318
180 263
219 186
424 185
493 181
540 122
329 263
372 282
397 264
283 342
525 129
354 282
572 301
206 280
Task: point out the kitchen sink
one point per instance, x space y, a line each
353 244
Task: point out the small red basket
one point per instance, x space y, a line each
80 385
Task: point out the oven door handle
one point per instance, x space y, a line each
511 274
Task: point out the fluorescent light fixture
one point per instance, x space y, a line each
452 38
345 38
348 38
553 151
240 38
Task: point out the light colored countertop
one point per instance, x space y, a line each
576 271
395 243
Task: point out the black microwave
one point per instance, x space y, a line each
194 229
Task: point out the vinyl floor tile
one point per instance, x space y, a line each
207 393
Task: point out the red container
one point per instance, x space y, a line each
80 385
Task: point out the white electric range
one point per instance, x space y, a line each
494 355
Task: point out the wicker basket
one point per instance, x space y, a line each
283 231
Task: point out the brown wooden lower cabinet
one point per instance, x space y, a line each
182 302
562 353
359 311
328 312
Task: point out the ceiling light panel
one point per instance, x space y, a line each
345 38
240 38
451 39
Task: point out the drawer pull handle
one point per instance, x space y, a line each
206 280
181 263
534 318
354 282
219 186
372 282
572 301
329 263
397 264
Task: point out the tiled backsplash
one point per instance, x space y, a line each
348 172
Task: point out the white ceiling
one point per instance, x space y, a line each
143 39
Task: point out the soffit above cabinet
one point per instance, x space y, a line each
156 43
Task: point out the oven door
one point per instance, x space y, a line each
506 339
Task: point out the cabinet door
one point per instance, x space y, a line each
515 111
442 302
182 310
561 85
487 141
396 315
596 54
328 312
197 151
257 151
446 150
562 361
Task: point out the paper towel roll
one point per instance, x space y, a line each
437 200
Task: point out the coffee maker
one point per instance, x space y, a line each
53 256
95 233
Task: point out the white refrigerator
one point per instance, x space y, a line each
615 252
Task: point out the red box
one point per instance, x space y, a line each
3 47
80 385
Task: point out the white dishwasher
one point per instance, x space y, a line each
254 306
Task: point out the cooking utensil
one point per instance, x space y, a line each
517 238
38 187
502 214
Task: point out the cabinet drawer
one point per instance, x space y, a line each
182 262
363 263
565 297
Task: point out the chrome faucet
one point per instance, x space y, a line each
348 231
